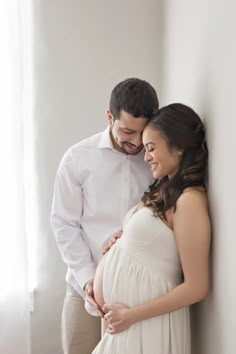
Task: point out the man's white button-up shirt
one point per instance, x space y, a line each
95 187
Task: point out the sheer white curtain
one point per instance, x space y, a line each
14 299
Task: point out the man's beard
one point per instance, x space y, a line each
120 146
132 149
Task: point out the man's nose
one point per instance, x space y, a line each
137 140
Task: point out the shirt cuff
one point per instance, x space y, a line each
85 274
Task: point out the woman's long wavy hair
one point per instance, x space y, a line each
182 128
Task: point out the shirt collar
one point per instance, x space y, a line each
105 142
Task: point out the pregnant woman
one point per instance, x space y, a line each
159 266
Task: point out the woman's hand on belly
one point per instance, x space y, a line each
117 317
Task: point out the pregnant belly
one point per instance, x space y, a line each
98 282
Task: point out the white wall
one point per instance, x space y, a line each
199 69
186 49
81 51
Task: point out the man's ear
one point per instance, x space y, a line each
110 118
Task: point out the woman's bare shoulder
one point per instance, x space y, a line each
192 197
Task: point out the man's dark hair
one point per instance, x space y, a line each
134 96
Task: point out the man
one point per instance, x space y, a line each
97 182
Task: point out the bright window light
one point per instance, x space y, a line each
17 190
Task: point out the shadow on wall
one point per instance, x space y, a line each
199 328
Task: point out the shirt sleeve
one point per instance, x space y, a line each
66 215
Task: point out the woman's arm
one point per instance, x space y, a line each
192 230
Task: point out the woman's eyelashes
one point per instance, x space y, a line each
149 149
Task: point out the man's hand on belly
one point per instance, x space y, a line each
112 240
90 297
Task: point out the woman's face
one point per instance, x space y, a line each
164 161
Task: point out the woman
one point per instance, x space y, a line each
160 264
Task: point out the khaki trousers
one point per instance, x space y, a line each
80 331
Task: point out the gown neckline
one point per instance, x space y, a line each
148 209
